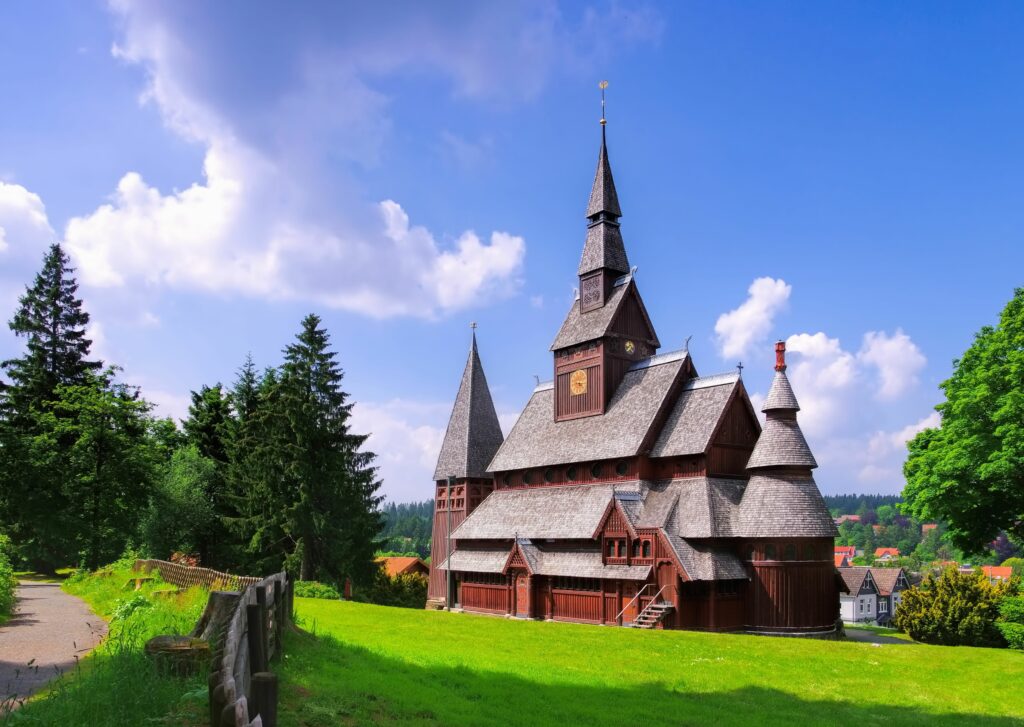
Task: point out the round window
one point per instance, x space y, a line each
506 480
596 470
621 468
571 473
549 475
527 477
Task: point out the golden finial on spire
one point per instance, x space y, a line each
602 85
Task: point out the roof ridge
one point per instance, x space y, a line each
661 358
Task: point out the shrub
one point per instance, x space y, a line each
407 590
7 580
1011 623
315 589
955 609
1017 564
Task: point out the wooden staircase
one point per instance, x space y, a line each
652 615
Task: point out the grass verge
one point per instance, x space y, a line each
117 685
377 665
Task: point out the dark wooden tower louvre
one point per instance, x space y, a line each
631 490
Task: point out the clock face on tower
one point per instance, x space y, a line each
578 382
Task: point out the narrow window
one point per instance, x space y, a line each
647 548
789 552
611 548
636 548
769 551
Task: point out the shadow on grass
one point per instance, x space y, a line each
325 682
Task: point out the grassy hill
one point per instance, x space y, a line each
378 665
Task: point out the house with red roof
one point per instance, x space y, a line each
842 561
887 553
404 565
847 518
927 528
997 573
849 551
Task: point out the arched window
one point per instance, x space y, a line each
527 477
611 548
789 552
752 555
549 475
621 468
647 548
636 548
570 474
769 552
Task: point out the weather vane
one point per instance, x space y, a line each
473 325
602 85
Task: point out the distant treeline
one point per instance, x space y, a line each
853 504
407 527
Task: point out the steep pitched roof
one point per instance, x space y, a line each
854 578
886 579
537 440
579 327
696 415
703 562
473 434
780 506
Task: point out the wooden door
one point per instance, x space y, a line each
522 594
629 590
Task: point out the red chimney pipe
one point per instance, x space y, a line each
780 355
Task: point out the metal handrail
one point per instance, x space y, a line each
638 594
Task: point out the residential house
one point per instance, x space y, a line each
997 573
927 528
403 565
842 560
848 550
889 582
847 518
886 554
860 604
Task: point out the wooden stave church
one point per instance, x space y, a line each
631 490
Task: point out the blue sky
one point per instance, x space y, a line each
845 177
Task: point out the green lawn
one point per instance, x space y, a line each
379 665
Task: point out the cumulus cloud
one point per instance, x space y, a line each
739 329
885 452
821 373
278 211
897 359
24 226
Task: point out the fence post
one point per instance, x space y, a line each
261 601
278 615
291 599
254 633
264 697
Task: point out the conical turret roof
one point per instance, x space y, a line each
780 395
781 443
602 195
474 434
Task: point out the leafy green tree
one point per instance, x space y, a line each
1017 564
94 438
969 472
180 516
955 609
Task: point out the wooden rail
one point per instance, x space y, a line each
243 692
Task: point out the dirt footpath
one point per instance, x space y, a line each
48 631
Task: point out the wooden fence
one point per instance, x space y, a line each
185 576
243 692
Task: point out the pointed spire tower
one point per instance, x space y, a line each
604 254
461 478
781 498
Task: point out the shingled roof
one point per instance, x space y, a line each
781 444
572 513
780 395
703 562
473 434
886 579
571 563
603 197
580 327
783 506
854 578
537 440
696 415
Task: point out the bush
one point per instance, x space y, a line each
1017 564
7 580
955 609
315 589
408 590
1011 623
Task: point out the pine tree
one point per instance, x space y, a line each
51 319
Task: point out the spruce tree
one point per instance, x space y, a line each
333 508
51 319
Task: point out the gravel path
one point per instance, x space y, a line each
48 631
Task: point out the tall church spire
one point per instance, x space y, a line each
781 443
474 434
604 249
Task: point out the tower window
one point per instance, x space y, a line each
549 475
571 473
621 468
789 552
769 552
596 470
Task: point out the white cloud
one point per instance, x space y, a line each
24 226
882 460
749 324
821 373
897 358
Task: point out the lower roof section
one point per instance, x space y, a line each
571 564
